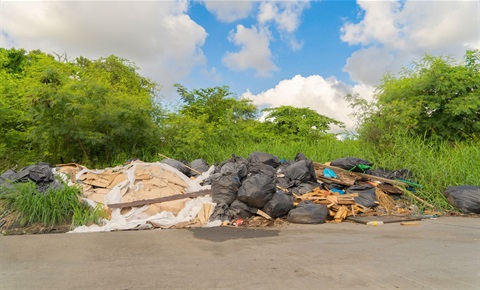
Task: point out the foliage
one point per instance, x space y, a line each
434 98
55 206
86 215
291 122
206 114
83 111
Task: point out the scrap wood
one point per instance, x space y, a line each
159 200
386 180
385 201
343 178
263 214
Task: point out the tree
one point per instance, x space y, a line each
435 98
86 110
298 122
211 114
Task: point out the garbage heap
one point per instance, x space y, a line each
301 190
238 191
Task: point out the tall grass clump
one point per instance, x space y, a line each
436 165
53 207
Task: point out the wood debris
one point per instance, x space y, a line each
340 206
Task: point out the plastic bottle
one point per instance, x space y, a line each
375 223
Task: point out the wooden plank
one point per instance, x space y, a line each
159 200
386 180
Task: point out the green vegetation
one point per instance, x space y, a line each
434 98
102 112
53 207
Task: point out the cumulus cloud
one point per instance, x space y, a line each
254 51
229 11
285 15
394 33
326 96
157 36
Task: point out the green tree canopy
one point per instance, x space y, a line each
75 111
295 122
210 114
435 98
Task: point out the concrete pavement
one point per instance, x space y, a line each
437 254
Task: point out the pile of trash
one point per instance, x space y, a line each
238 191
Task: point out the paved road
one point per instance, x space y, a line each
437 254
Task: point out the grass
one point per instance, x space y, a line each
53 207
435 165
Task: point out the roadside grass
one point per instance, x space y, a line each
53 207
435 165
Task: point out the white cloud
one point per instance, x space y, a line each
326 96
254 51
157 35
285 15
229 11
394 33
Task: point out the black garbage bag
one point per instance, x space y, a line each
180 166
352 163
258 188
9 175
38 173
199 165
300 156
307 212
254 168
279 205
465 198
261 157
281 176
221 212
301 172
240 209
366 195
225 188
236 165
403 173
305 187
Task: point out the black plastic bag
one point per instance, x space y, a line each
180 166
221 212
279 205
305 187
465 198
8 175
236 165
240 209
38 173
403 173
352 163
199 165
366 195
265 158
301 172
257 189
300 156
225 188
307 212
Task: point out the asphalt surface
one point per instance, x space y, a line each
436 254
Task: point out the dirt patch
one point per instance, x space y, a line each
11 226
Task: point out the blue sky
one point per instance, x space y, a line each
299 53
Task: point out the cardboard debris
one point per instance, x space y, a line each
140 181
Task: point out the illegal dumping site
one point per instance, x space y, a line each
261 190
